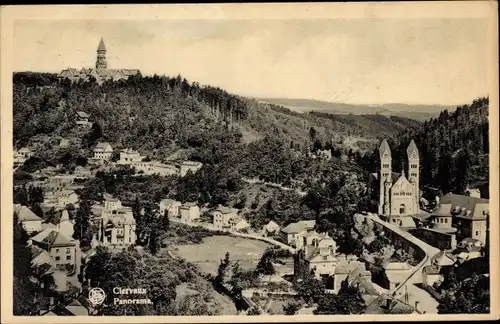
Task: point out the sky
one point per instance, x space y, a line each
357 60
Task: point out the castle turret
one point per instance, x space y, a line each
385 177
101 64
414 171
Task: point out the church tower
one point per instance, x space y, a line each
385 177
101 64
414 171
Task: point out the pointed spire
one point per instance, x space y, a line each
384 148
403 168
412 148
101 46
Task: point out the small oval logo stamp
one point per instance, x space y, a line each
96 296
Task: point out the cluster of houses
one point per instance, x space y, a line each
21 156
465 215
103 153
317 255
227 219
54 250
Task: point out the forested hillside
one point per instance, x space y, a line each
454 149
162 114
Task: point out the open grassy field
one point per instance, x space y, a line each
208 254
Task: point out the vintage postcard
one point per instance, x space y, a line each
249 162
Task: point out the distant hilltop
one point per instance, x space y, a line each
101 72
413 111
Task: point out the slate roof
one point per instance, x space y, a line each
189 204
224 210
102 146
82 114
384 148
25 214
271 226
52 238
477 207
442 210
101 46
293 228
412 148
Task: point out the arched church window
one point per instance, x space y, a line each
402 208
402 193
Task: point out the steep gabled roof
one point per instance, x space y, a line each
101 46
271 225
25 214
442 210
224 210
384 148
52 238
82 114
412 148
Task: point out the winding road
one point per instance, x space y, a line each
426 303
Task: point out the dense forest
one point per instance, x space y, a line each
454 149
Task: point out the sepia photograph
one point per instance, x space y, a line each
256 161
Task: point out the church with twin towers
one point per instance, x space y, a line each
399 193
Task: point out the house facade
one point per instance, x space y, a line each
293 233
82 119
271 228
129 156
190 212
223 217
441 218
117 224
60 198
22 155
187 166
316 256
239 224
470 215
170 207
103 152
61 249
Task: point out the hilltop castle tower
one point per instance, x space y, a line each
399 196
101 64
100 73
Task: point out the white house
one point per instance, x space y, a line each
128 156
29 220
239 224
22 155
190 212
271 228
222 217
103 152
170 206
293 232
189 166
82 118
60 198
